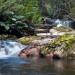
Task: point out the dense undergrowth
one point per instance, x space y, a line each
13 24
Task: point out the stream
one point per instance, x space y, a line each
36 66
11 64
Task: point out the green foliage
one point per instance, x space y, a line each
29 9
1 2
64 42
58 8
25 40
28 40
32 8
65 38
72 13
13 24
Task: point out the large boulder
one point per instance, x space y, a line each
32 51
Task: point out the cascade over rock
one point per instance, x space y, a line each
10 48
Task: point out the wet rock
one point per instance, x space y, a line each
33 51
23 55
50 55
43 41
58 53
55 32
55 56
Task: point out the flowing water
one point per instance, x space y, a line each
10 65
36 66
65 23
10 48
56 22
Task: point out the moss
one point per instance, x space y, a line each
64 42
28 39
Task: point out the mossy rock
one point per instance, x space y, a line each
64 42
27 40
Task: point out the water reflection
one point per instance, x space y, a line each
37 67
59 65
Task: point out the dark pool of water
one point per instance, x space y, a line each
35 66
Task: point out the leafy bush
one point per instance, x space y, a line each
28 8
64 42
11 23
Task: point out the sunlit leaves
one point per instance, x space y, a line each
64 42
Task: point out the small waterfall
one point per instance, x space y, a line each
65 23
60 22
10 48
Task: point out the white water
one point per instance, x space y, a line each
65 23
10 49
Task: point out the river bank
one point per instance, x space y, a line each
58 45
56 48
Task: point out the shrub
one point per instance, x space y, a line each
64 42
10 23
